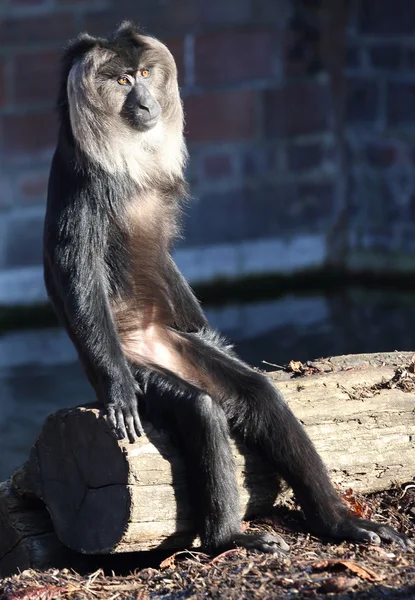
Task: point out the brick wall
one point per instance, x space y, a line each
381 134
288 169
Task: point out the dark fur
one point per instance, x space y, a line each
111 278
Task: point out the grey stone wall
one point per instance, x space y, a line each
380 114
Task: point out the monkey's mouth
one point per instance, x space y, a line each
140 119
143 125
150 123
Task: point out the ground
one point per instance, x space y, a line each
312 569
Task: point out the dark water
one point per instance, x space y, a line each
39 372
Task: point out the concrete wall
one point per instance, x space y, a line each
289 167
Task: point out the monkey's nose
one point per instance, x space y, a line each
152 108
147 103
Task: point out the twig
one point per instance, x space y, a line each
265 362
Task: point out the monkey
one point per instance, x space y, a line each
115 196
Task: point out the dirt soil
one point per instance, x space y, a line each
312 569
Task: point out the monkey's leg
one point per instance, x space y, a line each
188 315
200 429
256 410
263 417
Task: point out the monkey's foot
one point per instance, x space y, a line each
261 542
360 530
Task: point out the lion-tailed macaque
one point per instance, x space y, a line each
115 191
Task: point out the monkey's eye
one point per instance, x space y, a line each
124 80
145 72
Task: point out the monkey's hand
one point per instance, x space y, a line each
360 530
122 410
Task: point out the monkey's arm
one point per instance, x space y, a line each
189 316
74 242
78 294
79 297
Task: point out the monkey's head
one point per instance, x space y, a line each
123 103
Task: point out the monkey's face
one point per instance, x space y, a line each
140 109
131 83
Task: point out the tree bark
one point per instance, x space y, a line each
107 496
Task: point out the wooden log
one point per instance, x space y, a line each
27 537
106 496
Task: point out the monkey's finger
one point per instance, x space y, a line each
112 421
129 421
137 387
121 430
137 423
388 534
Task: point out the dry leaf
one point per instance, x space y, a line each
170 561
225 554
295 366
363 572
356 507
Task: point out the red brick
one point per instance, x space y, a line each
32 186
46 28
380 155
170 18
102 22
254 161
387 56
220 116
299 108
233 56
176 47
400 103
218 166
229 12
36 77
303 157
387 17
294 62
362 100
266 12
29 133
179 15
